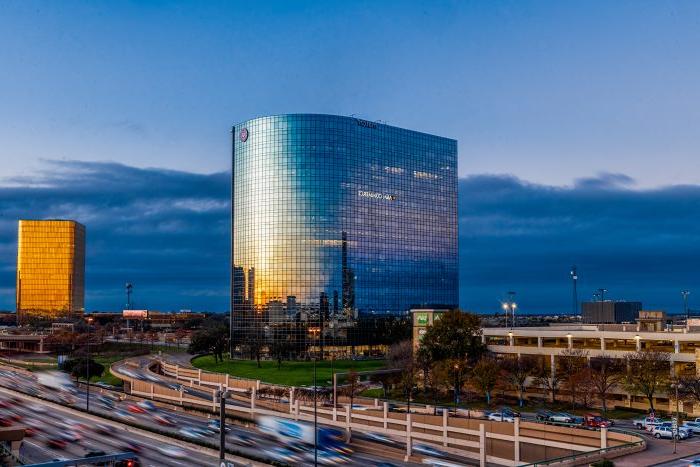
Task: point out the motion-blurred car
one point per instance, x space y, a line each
133 408
325 457
56 443
694 463
101 429
172 451
281 454
6 421
71 435
440 463
31 431
379 438
124 415
191 433
131 447
108 402
242 439
215 426
164 420
147 405
37 408
428 450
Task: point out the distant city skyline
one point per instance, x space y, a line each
167 232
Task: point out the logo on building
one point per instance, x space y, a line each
375 195
365 123
243 135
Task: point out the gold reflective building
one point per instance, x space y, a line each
50 269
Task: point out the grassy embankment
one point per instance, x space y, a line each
291 373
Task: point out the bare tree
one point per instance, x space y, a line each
689 388
352 386
401 356
548 380
648 372
572 363
606 374
516 372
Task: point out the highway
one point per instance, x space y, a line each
84 436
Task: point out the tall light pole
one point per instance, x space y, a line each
685 294
87 400
222 396
602 291
456 368
509 307
574 279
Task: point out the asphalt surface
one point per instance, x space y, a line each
83 436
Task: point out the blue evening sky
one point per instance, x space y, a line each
591 105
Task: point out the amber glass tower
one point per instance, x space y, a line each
50 269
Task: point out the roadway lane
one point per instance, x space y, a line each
246 440
83 436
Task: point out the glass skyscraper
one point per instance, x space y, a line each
50 269
335 219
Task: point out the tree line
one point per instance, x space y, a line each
452 362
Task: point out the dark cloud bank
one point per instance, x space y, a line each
168 233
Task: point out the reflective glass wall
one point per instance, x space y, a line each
336 219
50 269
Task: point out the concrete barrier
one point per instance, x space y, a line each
484 441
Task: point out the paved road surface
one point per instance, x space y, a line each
247 440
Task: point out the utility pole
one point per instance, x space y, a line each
574 279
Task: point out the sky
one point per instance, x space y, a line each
576 121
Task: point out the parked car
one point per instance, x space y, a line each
543 415
596 421
562 417
670 425
667 432
646 422
693 427
501 417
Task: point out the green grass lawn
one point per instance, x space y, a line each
107 376
292 373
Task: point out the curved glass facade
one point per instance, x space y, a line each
336 218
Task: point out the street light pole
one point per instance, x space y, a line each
87 400
315 419
456 367
675 435
685 294
222 395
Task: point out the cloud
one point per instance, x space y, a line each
515 235
167 232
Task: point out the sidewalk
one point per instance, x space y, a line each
659 452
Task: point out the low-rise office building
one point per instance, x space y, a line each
547 343
610 311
